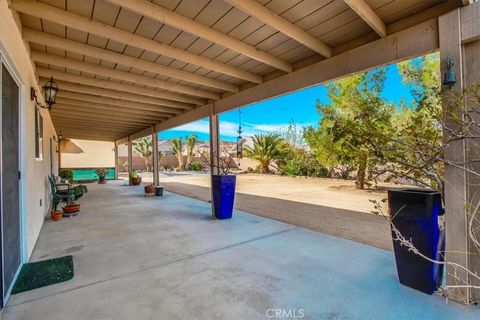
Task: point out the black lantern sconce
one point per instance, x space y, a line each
449 78
51 90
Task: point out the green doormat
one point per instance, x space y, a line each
43 273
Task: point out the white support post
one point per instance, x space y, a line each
155 158
116 160
214 151
130 160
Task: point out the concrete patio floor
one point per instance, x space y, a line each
165 258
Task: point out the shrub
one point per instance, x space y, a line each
195 166
304 164
133 174
66 174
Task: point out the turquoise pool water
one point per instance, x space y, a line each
90 175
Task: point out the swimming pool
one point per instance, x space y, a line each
88 174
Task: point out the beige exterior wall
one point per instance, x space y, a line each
95 154
35 187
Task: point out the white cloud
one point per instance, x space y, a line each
229 129
200 126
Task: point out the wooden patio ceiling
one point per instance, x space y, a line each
124 66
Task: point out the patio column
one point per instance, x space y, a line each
156 178
115 149
460 39
214 151
129 159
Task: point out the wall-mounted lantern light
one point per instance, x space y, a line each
51 90
449 79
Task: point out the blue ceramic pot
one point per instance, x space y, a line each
415 214
223 190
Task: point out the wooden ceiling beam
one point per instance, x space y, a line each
115 94
94 125
66 108
275 21
64 123
368 15
106 84
95 119
75 21
51 40
135 106
124 76
173 19
108 107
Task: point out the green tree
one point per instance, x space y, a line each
353 126
144 148
190 144
415 151
267 148
177 149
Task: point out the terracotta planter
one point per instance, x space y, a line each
150 189
56 215
71 209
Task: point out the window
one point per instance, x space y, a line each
38 135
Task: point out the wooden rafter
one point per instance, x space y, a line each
115 94
108 107
51 40
270 18
135 106
368 15
158 13
115 112
126 76
54 14
95 82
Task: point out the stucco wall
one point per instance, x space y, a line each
34 172
95 154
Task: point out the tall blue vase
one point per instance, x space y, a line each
223 190
415 214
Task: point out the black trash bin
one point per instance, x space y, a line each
415 214
159 191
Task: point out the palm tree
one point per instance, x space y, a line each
177 147
265 149
144 148
191 141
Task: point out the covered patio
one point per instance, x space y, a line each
128 69
165 258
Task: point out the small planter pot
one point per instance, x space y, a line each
102 180
223 189
136 181
71 209
415 213
149 190
56 215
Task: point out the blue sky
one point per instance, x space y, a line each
274 114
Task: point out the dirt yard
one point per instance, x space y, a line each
333 193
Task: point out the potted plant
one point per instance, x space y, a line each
79 191
135 178
56 215
223 188
102 174
72 208
149 190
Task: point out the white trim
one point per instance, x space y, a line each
5 60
